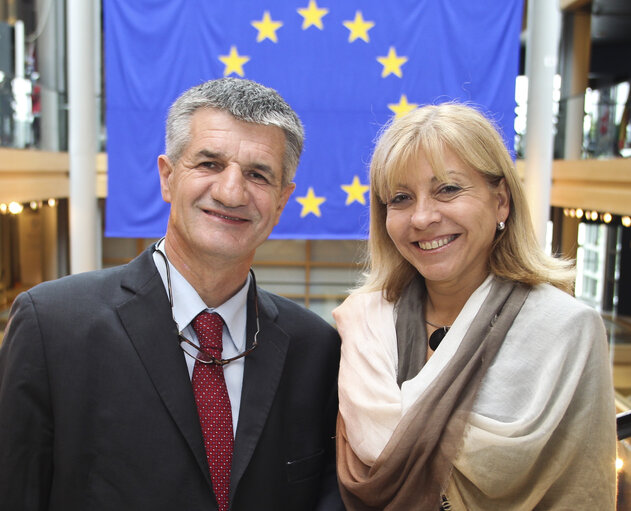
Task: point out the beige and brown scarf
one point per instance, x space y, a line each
526 425
420 452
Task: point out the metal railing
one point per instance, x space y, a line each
623 424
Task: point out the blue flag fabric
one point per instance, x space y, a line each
345 66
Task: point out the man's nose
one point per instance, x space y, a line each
229 187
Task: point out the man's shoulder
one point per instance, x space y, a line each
292 312
76 280
311 338
95 282
89 280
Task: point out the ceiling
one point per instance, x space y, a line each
610 21
610 34
611 42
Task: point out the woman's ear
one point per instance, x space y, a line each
503 200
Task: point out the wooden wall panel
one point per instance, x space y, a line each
602 185
27 175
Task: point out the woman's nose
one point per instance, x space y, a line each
425 213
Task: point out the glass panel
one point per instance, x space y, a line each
281 250
590 261
122 250
286 281
324 308
607 131
333 281
338 251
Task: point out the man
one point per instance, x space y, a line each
110 397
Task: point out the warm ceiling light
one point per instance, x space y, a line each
52 203
579 213
15 208
3 208
594 215
619 464
626 221
607 218
33 205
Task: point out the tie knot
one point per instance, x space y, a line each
209 328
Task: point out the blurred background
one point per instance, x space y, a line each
589 203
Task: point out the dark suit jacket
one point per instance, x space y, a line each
97 409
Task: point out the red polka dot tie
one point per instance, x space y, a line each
213 406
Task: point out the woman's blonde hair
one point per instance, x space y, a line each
432 129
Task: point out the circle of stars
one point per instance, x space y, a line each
312 16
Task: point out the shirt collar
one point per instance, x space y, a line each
187 303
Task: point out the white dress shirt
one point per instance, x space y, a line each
187 304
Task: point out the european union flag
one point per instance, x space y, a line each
345 66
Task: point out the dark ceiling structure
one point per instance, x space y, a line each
610 61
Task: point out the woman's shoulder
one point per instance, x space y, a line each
364 304
552 313
360 298
552 300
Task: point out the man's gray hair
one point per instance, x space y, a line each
246 101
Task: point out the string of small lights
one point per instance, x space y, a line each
15 208
597 216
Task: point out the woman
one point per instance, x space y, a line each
509 405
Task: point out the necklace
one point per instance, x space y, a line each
437 335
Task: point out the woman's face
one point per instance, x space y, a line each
446 229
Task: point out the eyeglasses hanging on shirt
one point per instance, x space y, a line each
190 348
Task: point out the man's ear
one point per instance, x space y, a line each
165 168
503 200
285 193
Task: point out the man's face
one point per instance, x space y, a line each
225 190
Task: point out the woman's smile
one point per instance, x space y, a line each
436 243
445 226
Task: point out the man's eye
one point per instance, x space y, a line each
209 165
255 175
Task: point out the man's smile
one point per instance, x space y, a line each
223 216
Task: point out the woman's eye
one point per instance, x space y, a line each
449 189
398 198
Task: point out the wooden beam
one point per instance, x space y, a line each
573 5
601 185
27 175
27 160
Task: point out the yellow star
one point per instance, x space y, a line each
355 191
234 62
310 203
267 28
359 28
402 107
392 63
312 15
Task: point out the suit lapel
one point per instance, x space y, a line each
262 374
147 319
149 324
